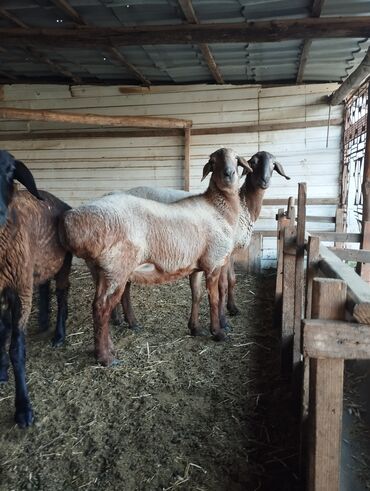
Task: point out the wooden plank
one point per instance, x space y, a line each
339 224
320 219
313 257
287 319
222 130
329 339
365 244
246 32
358 255
335 236
282 222
358 292
254 253
93 119
326 394
187 145
352 82
299 273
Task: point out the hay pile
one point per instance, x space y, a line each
179 413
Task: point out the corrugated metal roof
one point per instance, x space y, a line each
328 59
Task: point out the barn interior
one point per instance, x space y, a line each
106 95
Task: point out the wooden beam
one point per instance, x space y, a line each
120 59
69 10
336 339
326 394
246 32
336 236
352 82
116 55
189 13
358 292
299 275
223 130
187 159
315 12
365 242
93 119
7 15
358 255
56 67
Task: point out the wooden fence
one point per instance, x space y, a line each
322 307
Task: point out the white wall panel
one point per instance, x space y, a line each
80 169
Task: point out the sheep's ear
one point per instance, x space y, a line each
280 170
25 177
245 164
207 169
253 161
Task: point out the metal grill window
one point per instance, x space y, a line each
354 156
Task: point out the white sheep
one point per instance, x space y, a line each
117 233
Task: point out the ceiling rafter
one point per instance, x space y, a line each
246 32
190 15
316 10
113 53
35 54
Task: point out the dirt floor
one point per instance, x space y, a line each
179 413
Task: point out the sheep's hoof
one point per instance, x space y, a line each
197 331
24 416
226 327
4 377
116 363
220 336
233 310
57 342
108 361
136 328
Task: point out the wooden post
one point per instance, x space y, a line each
282 222
365 269
326 394
339 224
287 320
365 244
254 253
299 275
187 159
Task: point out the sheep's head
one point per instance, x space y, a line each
263 165
224 167
11 169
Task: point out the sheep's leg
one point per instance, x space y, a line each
5 329
213 296
44 306
62 289
116 316
23 408
128 310
222 289
231 306
196 294
102 308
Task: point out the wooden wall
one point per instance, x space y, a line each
82 168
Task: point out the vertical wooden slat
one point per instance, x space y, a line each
365 244
365 269
299 273
339 224
282 222
187 159
326 394
287 318
254 254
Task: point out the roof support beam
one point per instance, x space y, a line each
36 55
113 53
246 32
316 9
353 82
189 13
